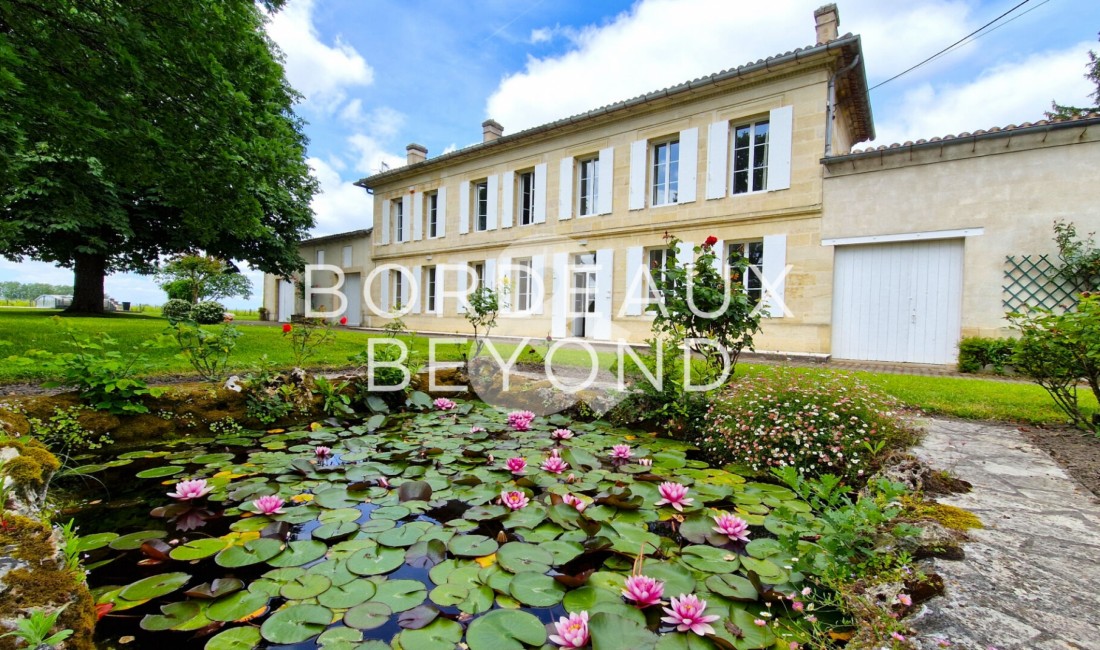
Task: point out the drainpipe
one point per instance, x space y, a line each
830 105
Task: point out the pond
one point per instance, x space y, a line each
457 524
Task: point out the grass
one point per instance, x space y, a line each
26 329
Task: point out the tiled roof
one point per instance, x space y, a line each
351 234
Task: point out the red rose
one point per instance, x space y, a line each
287 327
343 320
710 241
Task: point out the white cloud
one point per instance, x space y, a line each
371 155
541 35
659 43
340 206
1008 93
320 71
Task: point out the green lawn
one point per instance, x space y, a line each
26 329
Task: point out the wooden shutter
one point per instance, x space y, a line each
540 193
605 260
508 200
565 189
384 293
638 151
775 262
718 155
441 212
685 253
538 283
491 208
462 286
416 293
635 281
559 305
689 165
491 273
406 214
418 216
387 211
605 181
780 128
464 207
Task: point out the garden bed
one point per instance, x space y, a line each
1075 451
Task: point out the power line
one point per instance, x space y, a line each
986 33
953 45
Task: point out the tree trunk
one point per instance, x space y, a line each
89 272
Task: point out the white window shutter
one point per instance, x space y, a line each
565 189
718 155
605 262
440 285
635 281
605 181
638 151
685 253
406 213
689 165
719 249
780 129
491 209
462 286
508 200
387 212
491 273
559 305
384 293
538 283
441 212
405 286
418 216
464 207
540 193
506 274
773 272
416 294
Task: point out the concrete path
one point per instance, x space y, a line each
1031 577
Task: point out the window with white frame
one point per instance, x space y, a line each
750 157
523 284
398 289
320 257
752 254
660 259
479 274
348 259
525 197
397 210
430 289
431 208
665 178
480 200
588 187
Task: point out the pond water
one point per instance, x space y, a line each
404 537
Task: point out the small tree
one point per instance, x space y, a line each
485 304
202 277
1080 256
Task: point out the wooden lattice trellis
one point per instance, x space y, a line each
1034 281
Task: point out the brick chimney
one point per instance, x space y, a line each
491 130
415 153
827 19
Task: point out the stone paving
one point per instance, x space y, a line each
1031 578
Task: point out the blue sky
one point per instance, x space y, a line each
379 74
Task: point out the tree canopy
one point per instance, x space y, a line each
200 277
1093 74
130 131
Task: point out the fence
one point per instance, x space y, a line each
1035 281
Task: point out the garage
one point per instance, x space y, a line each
899 301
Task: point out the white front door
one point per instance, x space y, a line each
583 310
353 289
898 302
286 301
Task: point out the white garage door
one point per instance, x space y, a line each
353 289
898 302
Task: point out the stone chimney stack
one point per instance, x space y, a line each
415 153
491 130
827 19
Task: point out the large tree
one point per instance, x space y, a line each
1059 111
135 129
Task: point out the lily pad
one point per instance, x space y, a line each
506 629
375 561
251 552
160 472
236 638
299 552
155 586
400 595
472 546
308 585
347 595
198 549
236 606
519 557
92 542
296 624
612 632
732 586
440 634
182 616
536 589
133 541
368 616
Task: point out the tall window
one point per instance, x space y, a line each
431 206
526 198
481 205
523 284
666 172
398 288
659 261
588 185
750 157
320 258
751 252
398 209
479 274
347 256
429 290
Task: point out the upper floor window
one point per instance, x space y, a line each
588 174
752 253
481 205
430 289
397 210
750 157
665 177
347 256
320 258
659 261
523 284
525 192
431 207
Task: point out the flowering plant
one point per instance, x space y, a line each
521 420
310 334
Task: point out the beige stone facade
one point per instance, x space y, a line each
350 252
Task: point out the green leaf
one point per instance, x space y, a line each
536 589
198 549
235 638
400 595
612 632
440 634
368 616
296 624
375 561
518 557
251 552
236 606
299 552
155 586
347 595
505 629
472 546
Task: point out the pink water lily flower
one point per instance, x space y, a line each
686 614
576 502
621 452
643 590
443 404
561 434
521 420
555 464
674 495
322 451
383 482
193 489
732 526
477 429
516 465
515 500
572 631
268 505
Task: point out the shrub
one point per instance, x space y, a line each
176 310
976 352
818 423
206 350
208 313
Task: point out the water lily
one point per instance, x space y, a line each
643 590
645 462
268 505
732 526
193 489
521 420
674 495
477 429
686 614
322 451
572 631
621 452
515 499
515 465
443 404
384 482
561 434
555 464
575 501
